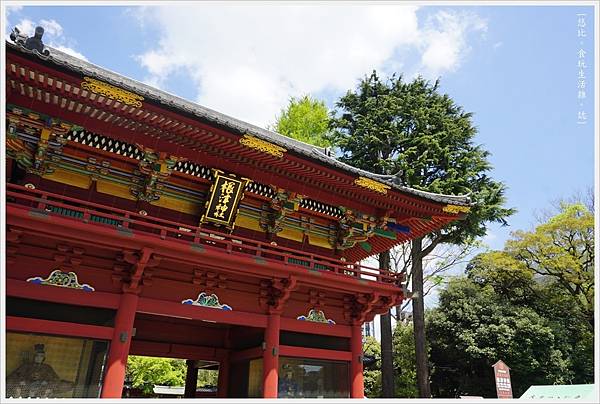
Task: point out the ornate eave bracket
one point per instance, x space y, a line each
357 308
275 292
347 233
156 169
139 273
34 160
283 204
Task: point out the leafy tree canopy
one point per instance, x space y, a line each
145 372
305 119
423 138
530 305
563 250
473 328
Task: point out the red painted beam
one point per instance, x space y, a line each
67 228
180 351
314 353
21 324
173 309
56 294
250 353
311 327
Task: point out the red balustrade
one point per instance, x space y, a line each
102 215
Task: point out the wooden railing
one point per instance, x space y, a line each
102 215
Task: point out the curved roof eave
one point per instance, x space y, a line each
163 97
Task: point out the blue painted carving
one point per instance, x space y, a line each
316 316
205 300
63 280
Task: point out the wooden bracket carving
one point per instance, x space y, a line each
155 168
13 239
282 204
209 280
139 273
358 307
275 292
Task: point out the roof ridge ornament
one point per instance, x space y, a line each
262 145
372 185
110 91
33 43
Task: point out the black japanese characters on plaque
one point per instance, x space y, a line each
225 195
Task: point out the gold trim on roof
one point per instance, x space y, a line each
262 145
372 185
116 93
456 209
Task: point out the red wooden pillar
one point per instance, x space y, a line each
119 347
357 388
271 356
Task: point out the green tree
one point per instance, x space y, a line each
473 327
562 249
145 372
423 139
305 119
404 354
372 373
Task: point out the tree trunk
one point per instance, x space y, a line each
387 364
419 320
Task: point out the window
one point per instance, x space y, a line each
312 378
45 366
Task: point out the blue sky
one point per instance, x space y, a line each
514 67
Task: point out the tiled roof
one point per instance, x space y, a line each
206 114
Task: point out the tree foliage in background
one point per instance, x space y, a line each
372 373
527 315
404 361
305 119
145 372
563 249
420 138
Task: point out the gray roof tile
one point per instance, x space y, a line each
308 151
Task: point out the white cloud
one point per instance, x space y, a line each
8 10
69 51
445 40
246 60
53 35
51 28
26 27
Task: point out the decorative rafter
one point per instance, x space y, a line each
262 146
372 185
110 91
456 209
